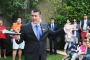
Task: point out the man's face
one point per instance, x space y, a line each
52 20
1 23
35 16
85 17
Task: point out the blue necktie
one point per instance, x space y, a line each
38 32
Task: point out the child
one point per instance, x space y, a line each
87 55
75 55
82 49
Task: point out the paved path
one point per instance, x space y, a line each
60 52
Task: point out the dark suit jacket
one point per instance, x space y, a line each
33 47
54 29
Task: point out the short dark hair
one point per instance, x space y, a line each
36 10
19 17
67 19
52 18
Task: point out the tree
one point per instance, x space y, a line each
13 8
73 9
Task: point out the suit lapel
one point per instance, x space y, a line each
43 28
31 30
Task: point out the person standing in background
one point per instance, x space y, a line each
2 39
75 32
52 37
35 34
83 26
16 28
68 28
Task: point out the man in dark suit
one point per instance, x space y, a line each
34 34
52 37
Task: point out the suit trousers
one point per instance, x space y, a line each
53 42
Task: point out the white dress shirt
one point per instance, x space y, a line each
85 25
52 26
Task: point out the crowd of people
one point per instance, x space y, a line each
16 28
77 39
33 38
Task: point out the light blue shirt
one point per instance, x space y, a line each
34 28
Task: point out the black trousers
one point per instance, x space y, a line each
53 43
40 57
2 43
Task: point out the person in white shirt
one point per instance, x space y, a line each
83 26
53 37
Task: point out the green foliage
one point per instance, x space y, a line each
73 9
13 8
54 57
9 43
60 20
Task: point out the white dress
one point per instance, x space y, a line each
68 31
68 37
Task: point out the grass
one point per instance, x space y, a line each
54 57
10 58
49 57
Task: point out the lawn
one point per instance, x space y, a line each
49 57
54 57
